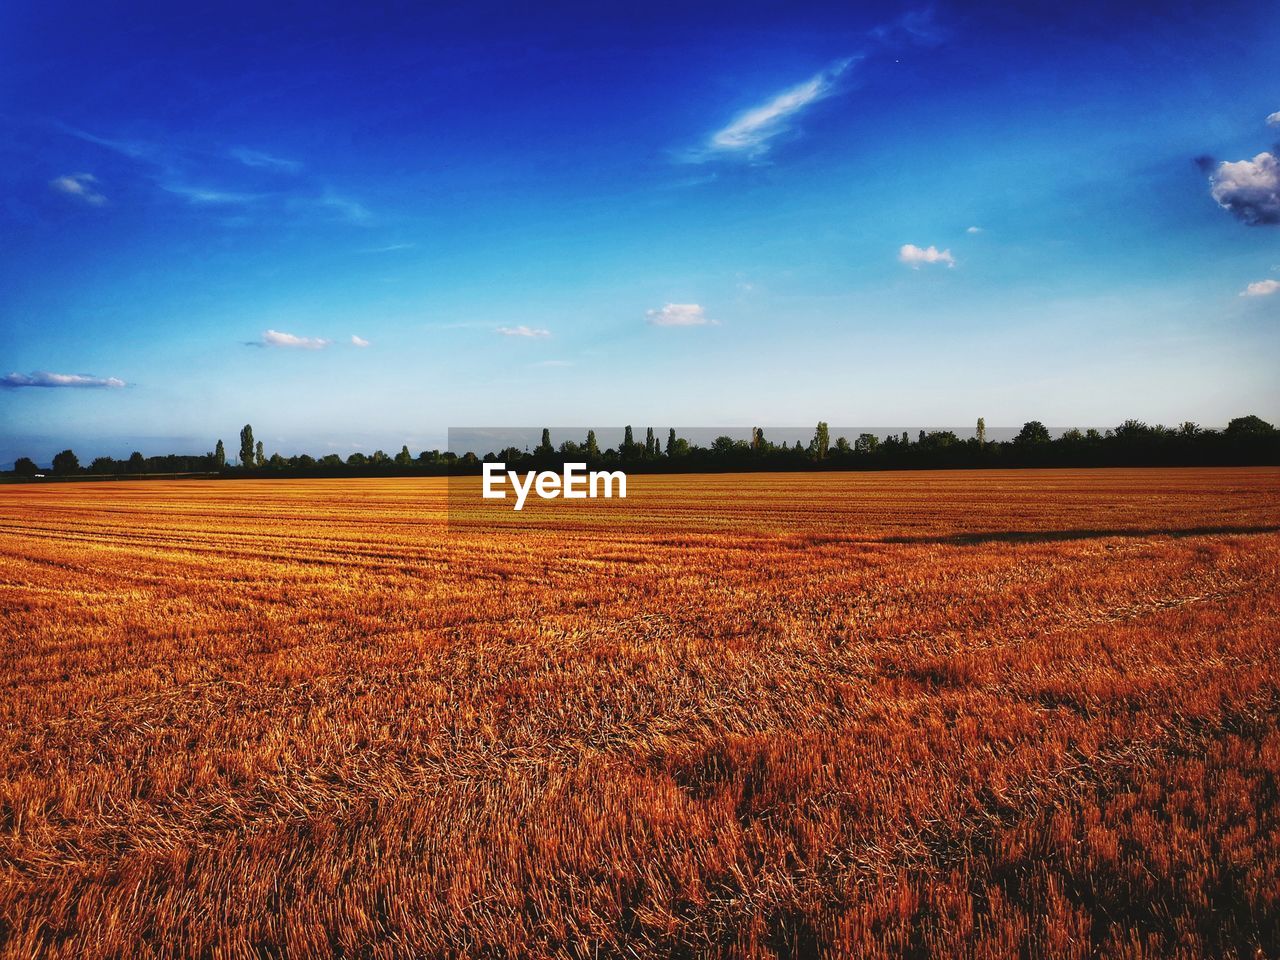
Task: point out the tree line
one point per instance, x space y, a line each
1245 441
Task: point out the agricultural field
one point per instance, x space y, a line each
971 714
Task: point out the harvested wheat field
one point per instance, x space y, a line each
853 715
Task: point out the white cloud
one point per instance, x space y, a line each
679 315
1274 119
256 158
1250 189
358 341
749 134
81 186
1263 288
915 256
207 196
974 230
348 210
42 378
274 338
524 331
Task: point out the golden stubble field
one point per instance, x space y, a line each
854 715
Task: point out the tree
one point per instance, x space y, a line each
66 463
219 455
671 442
842 445
982 431
137 462
866 443
593 448
628 444
545 449
650 445
258 458
25 467
821 440
404 458
1249 426
102 465
1033 432
246 446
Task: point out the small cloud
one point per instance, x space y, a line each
915 256
679 315
348 210
274 338
390 248
79 185
1263 288
207 196
42 378
524 331
1249 189
358 341
1274 119
974 230
750 133
258 159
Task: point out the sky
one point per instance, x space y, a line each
356 229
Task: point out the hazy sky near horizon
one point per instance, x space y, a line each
355 229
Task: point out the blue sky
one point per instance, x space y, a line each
355 230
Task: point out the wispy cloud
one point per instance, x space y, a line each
345 209
748 135
276 338
389 248
209 196
134 149
82 186
186 172
260 160
1274 119
42 378
1263 288
358 341
524 331
679 315
915 256
974 230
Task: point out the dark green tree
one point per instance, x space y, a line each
628 444
544 448
137 462
258 459
1249 426
1033 433
219 456
650 445
404 458
246 446
25 467
981 433
866 443
66 463
592 448
671 442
